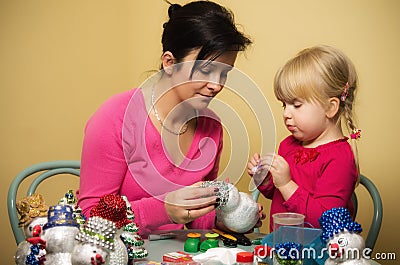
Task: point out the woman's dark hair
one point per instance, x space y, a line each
201 24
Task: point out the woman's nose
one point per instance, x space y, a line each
215 87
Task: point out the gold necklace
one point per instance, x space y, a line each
153 106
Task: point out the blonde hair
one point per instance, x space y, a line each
317 74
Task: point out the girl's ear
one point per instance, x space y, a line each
333 107
168 60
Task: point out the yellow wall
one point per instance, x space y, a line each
59 60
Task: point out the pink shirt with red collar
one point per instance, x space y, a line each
123 154
326 176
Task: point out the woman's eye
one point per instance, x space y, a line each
297 105
205 70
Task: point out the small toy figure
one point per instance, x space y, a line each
32 212
32 250
70 199
345 245
60 231
113 208
95 242
237 210
132 240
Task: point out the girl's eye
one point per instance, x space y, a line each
297 105
283 105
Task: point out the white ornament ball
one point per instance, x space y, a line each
242 218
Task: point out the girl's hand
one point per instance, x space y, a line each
279 169
257 168
189 203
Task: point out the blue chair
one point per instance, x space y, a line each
47 169
376 222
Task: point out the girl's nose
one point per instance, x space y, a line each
286 113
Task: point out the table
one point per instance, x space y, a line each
158 248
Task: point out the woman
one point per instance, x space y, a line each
155 144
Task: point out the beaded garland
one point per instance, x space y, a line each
335 221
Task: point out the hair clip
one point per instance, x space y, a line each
344 93
356 134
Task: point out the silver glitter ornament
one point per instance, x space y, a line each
237 210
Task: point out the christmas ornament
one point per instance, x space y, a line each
341 235
95 242
60 231
133 242
237 210
70 199
32 211
113 208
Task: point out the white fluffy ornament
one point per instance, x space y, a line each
346 248
343 242
237 210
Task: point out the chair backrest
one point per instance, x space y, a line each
47 170
376 223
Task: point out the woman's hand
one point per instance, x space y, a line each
189 203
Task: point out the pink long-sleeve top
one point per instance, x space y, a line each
326 176
123 154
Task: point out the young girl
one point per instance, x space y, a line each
315 168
